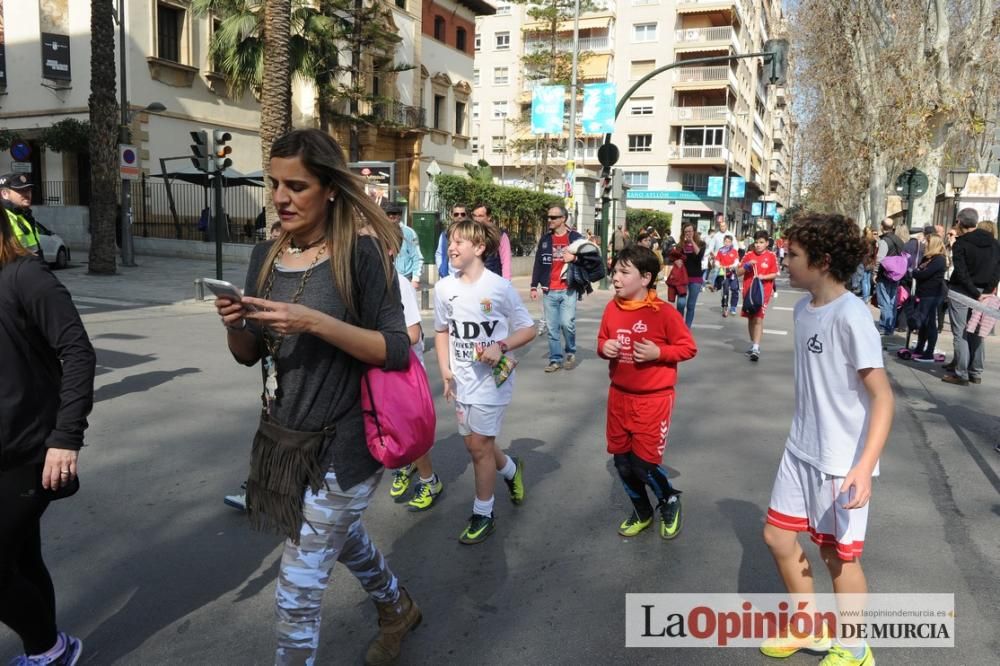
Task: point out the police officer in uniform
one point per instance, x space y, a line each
15 197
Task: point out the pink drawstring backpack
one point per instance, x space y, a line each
399 413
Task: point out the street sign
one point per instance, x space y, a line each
608 154
548 104
714 186
55 57
771 210
20 167
737 187
598 108
128 162
911 184
755 209
20 151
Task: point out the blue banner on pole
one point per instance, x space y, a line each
598 108
714 186
737 187
548 104
755 209
772 209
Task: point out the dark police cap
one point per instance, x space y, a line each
15 181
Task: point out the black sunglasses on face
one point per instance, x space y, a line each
555 217
459 214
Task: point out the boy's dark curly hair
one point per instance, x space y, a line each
833 236
643 259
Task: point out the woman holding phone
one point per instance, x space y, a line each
325 306
47 389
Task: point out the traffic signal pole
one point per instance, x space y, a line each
775 55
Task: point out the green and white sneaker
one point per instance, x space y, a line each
633 525
401 483
478 529
425 494
670 518
516 485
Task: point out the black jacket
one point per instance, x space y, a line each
47 361
541 273
930 278
975 257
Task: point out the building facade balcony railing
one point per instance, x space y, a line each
696 152
778 134
712 115
700 77
690 6
393 113
723 35
596 44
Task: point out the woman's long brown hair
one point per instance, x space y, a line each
351 214
10 248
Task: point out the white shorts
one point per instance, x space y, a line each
479 419
805 499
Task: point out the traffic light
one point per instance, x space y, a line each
222 151
617 186
200 150
779 60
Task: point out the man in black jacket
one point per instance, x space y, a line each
976 272
558 301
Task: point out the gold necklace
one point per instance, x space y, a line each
295 249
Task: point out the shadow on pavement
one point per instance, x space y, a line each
757 572
139 383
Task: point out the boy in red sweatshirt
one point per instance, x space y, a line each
644 339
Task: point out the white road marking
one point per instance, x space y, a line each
782 307
774 332
712 326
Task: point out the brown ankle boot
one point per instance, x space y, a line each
394 620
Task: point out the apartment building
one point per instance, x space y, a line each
681 127
419 115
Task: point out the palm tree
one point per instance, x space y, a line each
276 86
103 138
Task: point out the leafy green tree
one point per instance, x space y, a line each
514 209
638 219
548 60
480 172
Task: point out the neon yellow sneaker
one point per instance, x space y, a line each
839 656
424 495
401 483
782 648
516 485
478 529
670 518
632 525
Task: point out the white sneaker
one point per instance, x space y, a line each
238 502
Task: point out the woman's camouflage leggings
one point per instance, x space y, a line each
332 532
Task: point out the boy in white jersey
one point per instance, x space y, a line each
843 414
478 318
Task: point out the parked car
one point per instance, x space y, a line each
53 247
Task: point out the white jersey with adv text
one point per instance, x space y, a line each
483 312
832 407
411 313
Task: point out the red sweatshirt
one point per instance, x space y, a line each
665 327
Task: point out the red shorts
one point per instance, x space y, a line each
763 310
638 423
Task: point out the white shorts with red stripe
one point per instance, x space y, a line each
805 499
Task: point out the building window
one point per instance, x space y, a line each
641 106
498 144
703 136
644 32
169 25
475 145
503 10
695 182
637 180
475 77
503 40
460 38
477 41
439 112
640 68
501 76
500 109
401 4
439 28
640 143
475 110
460 118
216 25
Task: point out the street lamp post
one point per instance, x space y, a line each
959 179
571 144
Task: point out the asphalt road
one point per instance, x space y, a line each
151 568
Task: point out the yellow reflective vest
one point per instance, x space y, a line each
24 232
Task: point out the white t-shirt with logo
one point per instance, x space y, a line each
411 313
832 343
483 312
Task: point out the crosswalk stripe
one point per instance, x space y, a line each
774 332
712 326
782 307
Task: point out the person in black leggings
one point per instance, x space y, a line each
47 384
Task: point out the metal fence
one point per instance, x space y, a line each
183 211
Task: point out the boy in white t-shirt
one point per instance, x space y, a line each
428 487
478 318
843 414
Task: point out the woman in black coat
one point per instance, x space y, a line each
928 294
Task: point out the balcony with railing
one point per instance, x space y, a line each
778 134
677 153
779 95
593 43
703 78
721 37
706 115
706 6
392 113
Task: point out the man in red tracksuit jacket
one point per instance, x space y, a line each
644 339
